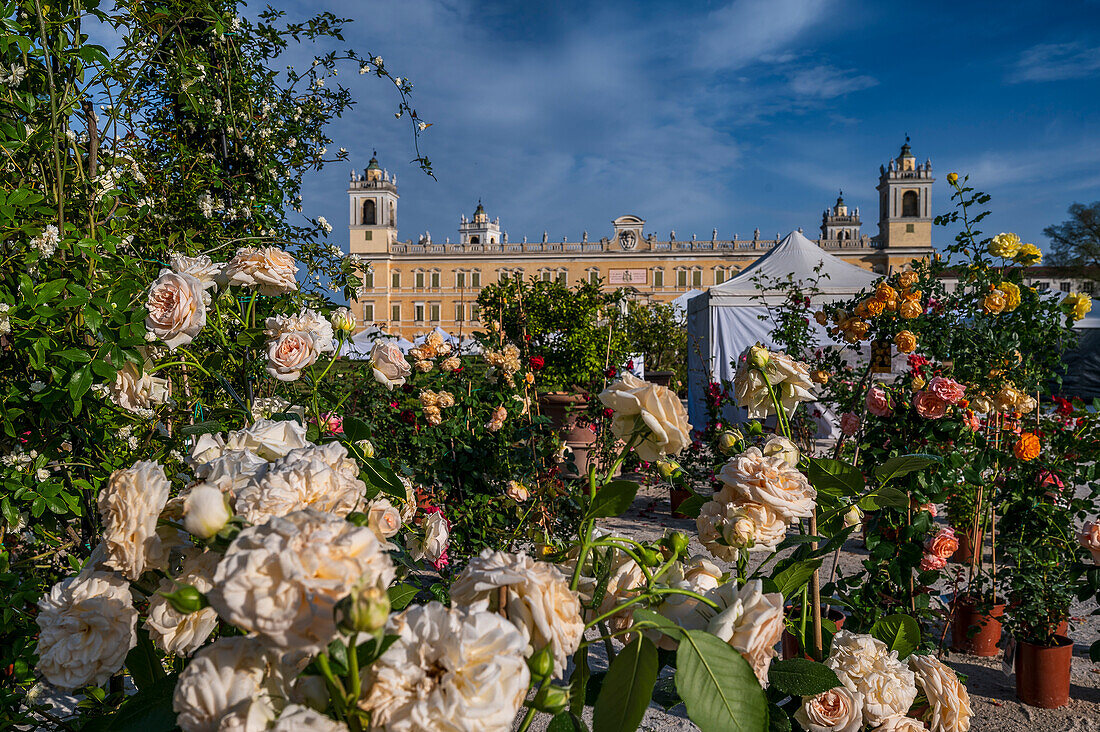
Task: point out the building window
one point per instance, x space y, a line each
909 204
593 277
434 311
419 280
1064 286
435 279
697 278
475 239
545 275
719 275
909 228
658 278
460 312
681 278
368 279
475 278
370 215
475 311
368 235
1086 287
460 280
368 312
395 281
418 312
395 313
1042 285
563 277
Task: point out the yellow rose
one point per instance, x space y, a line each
820 377
821 317
905 341
884 293
995 302
1079 304
907 279
910 308
875 307
1005 246
952 178
1012 295
1029 254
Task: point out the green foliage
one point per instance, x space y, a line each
802 677
627 687
659 331
1076 241
900 633
718 686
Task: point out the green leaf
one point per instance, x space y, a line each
79 382
202 428
627 688
802 677
566 722
355 429
692 505
149 710
900 465
899 632
382 477
578 685
718 686
142 661
834 477
890 496
613 499
790 580
401 595
74 354
778 721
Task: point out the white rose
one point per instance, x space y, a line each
136 389
270 439
836 710
887 691
790 378
342 320
289 353
747 618
205 448
321 477
232 471
657 408
205 511
307 321
236 684
383 519
437 535
87 626
389 365
854 656
900 723
268 269
297 718
405 690
408 508
698 575
726 528
177 311
200 267
517 491
784 449
282 579
538 600
129 506
751 476
176 632
947 698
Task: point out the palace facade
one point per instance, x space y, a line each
412 287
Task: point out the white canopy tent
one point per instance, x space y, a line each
360 344
725 320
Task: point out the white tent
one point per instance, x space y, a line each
681 302
725 320
360 344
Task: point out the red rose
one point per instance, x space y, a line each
536 362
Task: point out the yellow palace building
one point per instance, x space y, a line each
414 286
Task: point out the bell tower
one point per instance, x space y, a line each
905 202
840 223
479 229
372 213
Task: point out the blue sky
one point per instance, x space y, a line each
561 116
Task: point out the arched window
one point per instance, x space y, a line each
370 217
909 202
475 239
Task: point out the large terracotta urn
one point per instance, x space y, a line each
563 409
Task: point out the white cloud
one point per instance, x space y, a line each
826 82
1056 62
747 31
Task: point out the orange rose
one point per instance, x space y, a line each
821 317
943 544
1027 447
858 328
905 341
860 310
907 279
875 307
995 302
884 293
910 308
820 377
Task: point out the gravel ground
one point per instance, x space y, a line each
992 692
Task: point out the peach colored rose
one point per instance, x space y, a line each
878 403
849 423
944 543
928 405
930 562
836 710
1089 537
177 308
289 353
949 390
268 269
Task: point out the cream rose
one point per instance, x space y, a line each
887 691
87 626
135 388
176 307
298 718
426 679
232 471
698 575
388 364
321 477
854 656
836 710
201 268
129 506
308 321
236 683
747 618
289 353
658 409
901 723
784 449
437 535
205 511
517 491
727 528
176 632
790 379
948 701
625 579
1089 538
752 476
282 579
269 270
268 438
383 519
538 600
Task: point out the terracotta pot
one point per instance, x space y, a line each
790 641
676 496
965 553
661 378
563 409
973 631
1042 673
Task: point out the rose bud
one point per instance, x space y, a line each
366 447
185 600
542 663
668 469
729 441
365 610
759 356
342 320
205 511
853 517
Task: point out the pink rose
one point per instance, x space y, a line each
949 390
971 420
849 423
943 544
930 563
878 403
928 405
930 508
1047 478
1090 539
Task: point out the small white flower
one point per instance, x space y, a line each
37 386
324 224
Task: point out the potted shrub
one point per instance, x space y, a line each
659 333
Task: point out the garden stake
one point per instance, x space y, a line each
815 590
